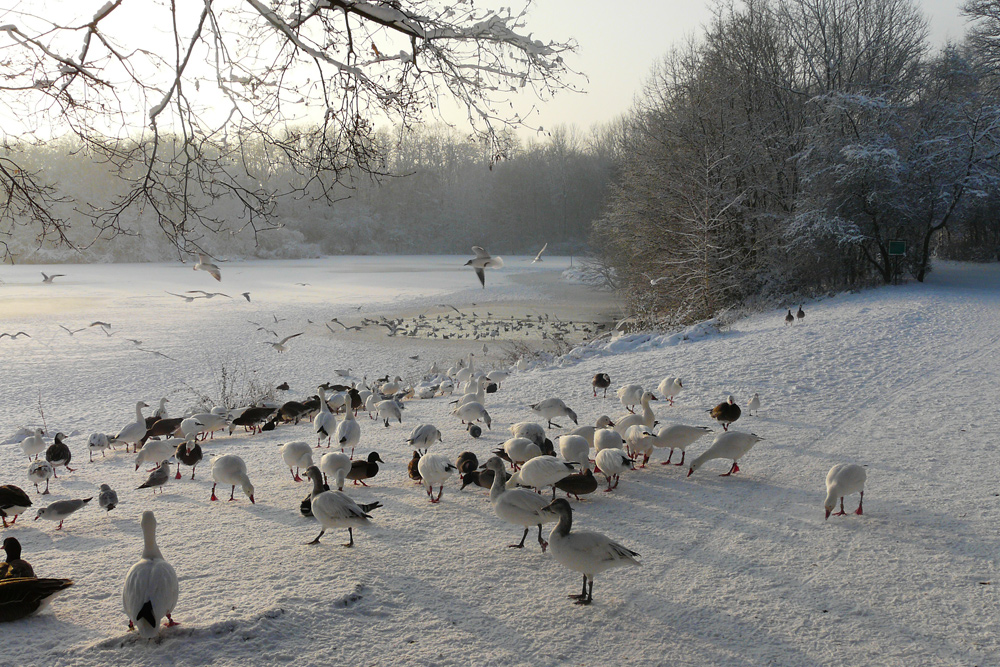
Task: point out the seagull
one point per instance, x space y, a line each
538 257
71 331
754 404
134 341
448 305
58 511
157 478
335 509
205 264
98 323
280 345
14 336
482 261
107 499
48 279
208 295
159 354
246 295
188 299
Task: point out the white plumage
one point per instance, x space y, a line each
678 436
729 445
296 455
554 408
607 438
669 388
639 439
133 433
516 506
389 410
612 462
324 423
423 436
575 448
530 430
630 395
157 451
843 480
97 442
33 445
336 465
335 509
585 552
348 431
435 469
543 471
472 412
520 450
646 418
38 472
588 431
151 588
231 470
754 404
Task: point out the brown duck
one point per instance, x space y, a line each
726 413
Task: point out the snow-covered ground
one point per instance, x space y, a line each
736 570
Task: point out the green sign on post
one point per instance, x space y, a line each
897 248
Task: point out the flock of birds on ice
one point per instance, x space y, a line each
610 448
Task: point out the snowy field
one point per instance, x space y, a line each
739 570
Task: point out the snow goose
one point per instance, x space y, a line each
348 432
483 261
151 588
132 433
336 466
678 436
669 388
578 484
497 377
161 411
324 424
464 373
601 381
472 412
435 469
33 445
612 463
729 445
520 450
58 454
543 471
530 430
753 405
423 436
479 395
630 395
607 438
585 552
98 442
14 567
554 408
647 418
38 472
575 448
639 439
516 506
23 597
388 410
59 510
158 478
13 502
189 453
843 480
296 455
587 432
335 509
726 413
157 451
231 470
107 499
364 469
391 387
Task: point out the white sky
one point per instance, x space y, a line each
619 41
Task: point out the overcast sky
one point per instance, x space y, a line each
619 41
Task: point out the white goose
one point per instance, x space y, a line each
348 432
336 465
543 471
210 422
464 374
678 436
843 480
575 448
554 408
729 445
647 418
133 433
389 410
517 506
435 469
335 509
612 462
585 552
530 430
669 388
296 454
587 432
472 412
607 438
520 450
231 470
156 452
324 423
151 587
630 395
423 436
639 439
478 396
33 445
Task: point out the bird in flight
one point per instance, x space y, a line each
188 299
47 279
14 336
103 325
205 264
207 295
154 352
482 261
538 257
246 295
71 331
280 345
